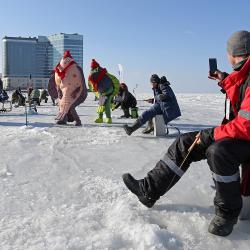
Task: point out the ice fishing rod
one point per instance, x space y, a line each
190 149
136 86
26 113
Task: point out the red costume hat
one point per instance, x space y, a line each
67 54
59 69
94 64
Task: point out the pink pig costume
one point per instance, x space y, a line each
68 84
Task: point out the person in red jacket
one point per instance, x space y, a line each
225 147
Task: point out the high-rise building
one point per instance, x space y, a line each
62 42
25 62
29 61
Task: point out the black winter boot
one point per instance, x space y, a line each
78 123
129 130
135 187
60 122
221 226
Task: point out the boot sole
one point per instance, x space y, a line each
219 231
127 132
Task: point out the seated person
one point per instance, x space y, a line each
17 97
165 104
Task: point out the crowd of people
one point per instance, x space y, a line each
225 147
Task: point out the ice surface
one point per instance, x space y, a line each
61 187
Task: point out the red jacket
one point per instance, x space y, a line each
239 127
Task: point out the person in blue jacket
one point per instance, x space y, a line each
165 104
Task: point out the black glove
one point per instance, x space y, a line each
207 137
162 97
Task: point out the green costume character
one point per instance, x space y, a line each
106 86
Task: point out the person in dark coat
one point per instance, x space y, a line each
33 96
150 125
124 99
44 95
52 89
225 147
165 104
17 97
3 96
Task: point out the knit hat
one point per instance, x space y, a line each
94 64
239 43
155 79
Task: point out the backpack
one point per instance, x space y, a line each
116 83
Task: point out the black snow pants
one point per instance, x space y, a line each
224 158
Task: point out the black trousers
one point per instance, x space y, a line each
224 158
127 105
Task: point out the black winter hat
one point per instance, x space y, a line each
239 43
155 79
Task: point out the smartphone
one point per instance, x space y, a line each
212 65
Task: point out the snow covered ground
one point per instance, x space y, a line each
61 187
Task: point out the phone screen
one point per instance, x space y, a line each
212 65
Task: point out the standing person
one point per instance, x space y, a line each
29 90
69 82
34 96
52 88
126 100
107 86
225 147
165 104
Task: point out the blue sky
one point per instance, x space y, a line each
172 38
